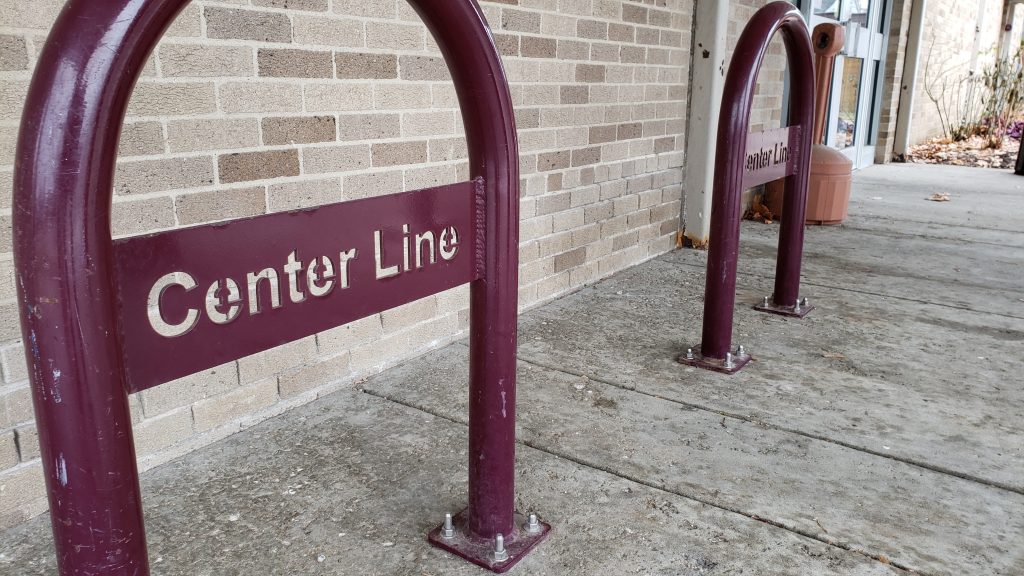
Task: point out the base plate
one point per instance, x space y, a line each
715 364
480 551
773 308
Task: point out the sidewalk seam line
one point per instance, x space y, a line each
811 435
865 292
794 530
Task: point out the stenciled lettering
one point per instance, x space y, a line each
264 290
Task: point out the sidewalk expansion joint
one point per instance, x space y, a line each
868 293
662 488
909 461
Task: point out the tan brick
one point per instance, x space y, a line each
199 60
430 176
141 139
38 14
590 73
264 165
188 135
6 189
355 65
520 21
395 153
369 126
508 44
585 156
332 97
395 36
12 97
630 130
400 96
308 5
538 47
304 194
299 130
221 410
423 68
335 158
185 391
408 314
188 24
8 450
28 442
553 160
13 53
139 216
155 434
364 8
220 205
21 485
266 364
570 259
172 99
314 375
8 142
15 370
373 184
343 338
634 14
141 176
247 25
320 31
292 63
260 97
423 124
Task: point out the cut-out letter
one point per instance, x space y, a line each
449 244
216 300
378 257
156 317
253 280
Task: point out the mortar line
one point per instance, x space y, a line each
736 416
867 293
662 488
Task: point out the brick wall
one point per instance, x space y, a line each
247 108
946 51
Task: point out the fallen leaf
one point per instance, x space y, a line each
939 197
834 355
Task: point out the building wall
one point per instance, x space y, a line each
247 107
256 106
952 29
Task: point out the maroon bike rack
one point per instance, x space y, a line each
102 318
743 161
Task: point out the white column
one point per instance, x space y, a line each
707 77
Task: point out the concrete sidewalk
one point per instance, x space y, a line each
883 433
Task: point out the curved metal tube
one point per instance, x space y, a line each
64 173
740 85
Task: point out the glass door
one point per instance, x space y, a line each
856 81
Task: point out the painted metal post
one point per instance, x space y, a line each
732 169
71 276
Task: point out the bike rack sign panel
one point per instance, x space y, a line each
211 294
102 318
744 160
771 155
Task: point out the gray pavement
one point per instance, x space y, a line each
883 433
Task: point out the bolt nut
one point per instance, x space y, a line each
447 529
728 361
532 525
689 354
500 554
741 351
